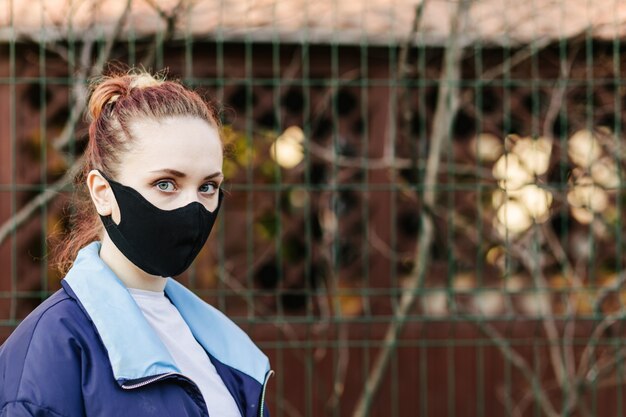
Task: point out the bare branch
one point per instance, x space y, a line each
447 106
556 100
80 88
569 362
517 58
111 39
386 162
518 361
549 325
283 326
170 28
608 290
162 13
342 369
585 367
17 220
534 380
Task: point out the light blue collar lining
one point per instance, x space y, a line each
135 351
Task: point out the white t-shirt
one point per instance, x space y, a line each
190 357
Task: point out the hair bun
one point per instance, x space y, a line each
105 91
143 80
109 89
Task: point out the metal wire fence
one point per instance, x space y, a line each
424 211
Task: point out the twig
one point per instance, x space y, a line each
523 403
549 325
386 162
548 322
556 100
522 55
170 28
17 220
329 232
403 67
569 361
155 6
596 375
80 89
590 348
341 369
284 327
507 351
403 70
447 106
537 390
568 335
291 411
518 361
606 291
384 249
517 58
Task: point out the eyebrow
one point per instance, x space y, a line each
178 174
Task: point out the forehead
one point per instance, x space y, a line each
186 144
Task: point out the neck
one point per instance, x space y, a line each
126 271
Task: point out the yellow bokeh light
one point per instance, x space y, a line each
586 194
495 254
298 197
514 217
489 302
464 281
534 155
514 283
583 148
535 304
435 303
582 215
287 150
511 173
537 201
487 147
604 172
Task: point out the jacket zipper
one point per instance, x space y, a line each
169 374
165 376
267 378
151 380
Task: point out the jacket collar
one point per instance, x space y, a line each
134 349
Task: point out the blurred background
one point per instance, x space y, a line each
424 210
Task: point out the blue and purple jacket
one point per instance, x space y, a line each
88 351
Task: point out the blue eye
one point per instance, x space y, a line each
167 186
208 188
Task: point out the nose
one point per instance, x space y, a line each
193 196
190 196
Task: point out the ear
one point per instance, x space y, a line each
101 193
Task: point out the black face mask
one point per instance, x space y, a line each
160 242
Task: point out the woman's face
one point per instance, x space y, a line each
173 162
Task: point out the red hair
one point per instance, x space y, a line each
116 101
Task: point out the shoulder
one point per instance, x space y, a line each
54 318
41 358
49 317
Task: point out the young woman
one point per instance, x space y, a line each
122 338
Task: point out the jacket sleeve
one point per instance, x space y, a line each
27 409
41 365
